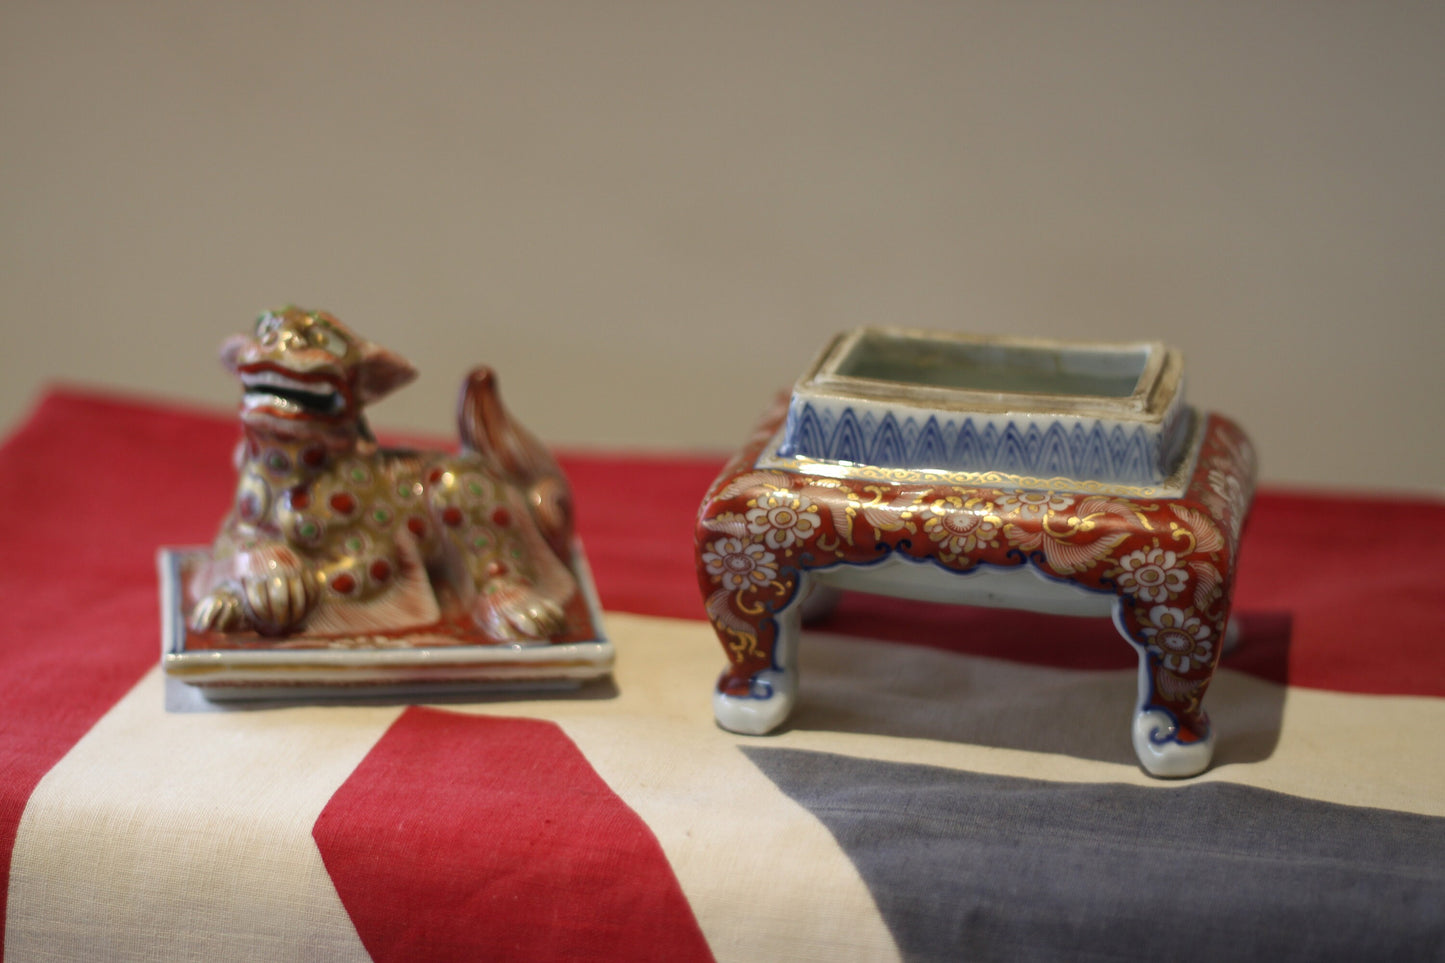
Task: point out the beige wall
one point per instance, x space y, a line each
649 216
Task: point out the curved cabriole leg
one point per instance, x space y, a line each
757 691
1178 652
1160 739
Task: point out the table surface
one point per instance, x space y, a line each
955 782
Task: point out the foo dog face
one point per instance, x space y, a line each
306 372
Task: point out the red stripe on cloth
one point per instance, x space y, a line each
1333 592
1361 578
88 488
481 838
635 515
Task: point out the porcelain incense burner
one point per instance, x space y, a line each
1064 478
344 566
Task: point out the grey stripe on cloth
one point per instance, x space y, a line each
965 866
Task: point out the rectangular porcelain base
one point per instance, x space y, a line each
419 664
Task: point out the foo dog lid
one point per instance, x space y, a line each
1043 411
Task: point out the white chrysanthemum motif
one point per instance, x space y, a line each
738 565
783 518
1152 575
1178 637
1032 503
960 528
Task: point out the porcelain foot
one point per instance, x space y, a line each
1161 754
762 712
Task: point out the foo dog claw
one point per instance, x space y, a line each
279 601
220 611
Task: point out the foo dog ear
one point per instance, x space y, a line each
231 350
379 372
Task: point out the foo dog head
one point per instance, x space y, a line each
304 373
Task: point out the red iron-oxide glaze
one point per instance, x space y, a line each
1170 560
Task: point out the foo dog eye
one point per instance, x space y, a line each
327 338
266 324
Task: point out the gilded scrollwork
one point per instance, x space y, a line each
1168 559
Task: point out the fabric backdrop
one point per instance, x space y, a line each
955 783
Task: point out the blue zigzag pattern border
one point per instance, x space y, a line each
1087 450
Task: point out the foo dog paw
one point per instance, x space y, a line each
220 611
277 602
519 613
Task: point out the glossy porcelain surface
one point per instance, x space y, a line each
775 531
343 563
892 398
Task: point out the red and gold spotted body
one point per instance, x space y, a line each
331 534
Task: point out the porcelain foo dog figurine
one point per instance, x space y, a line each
332 535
